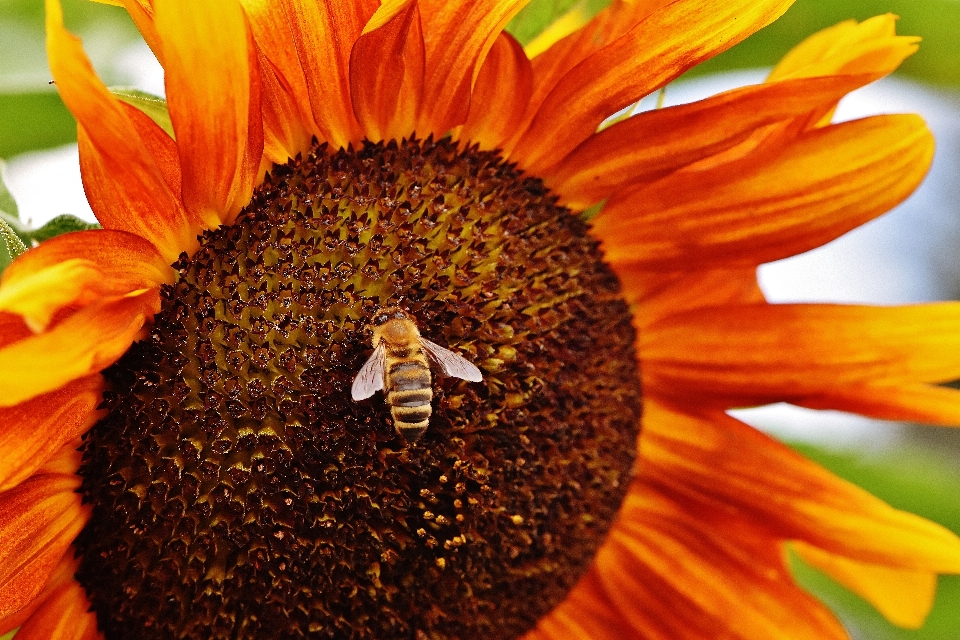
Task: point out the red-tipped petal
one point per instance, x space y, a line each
715 465
653 144
500 95
675 574
757 354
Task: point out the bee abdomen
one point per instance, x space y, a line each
409 376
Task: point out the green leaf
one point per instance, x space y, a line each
7 204
154 107
64 223
11 246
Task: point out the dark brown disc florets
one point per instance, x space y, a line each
238 492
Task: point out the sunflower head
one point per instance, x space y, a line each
240 474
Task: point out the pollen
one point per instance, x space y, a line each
237 491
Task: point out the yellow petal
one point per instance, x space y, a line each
757 354
83 343
904 597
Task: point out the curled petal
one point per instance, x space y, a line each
79 269
661 47
904 597
770 204
35 430
495 113
81 344
38 521
714 464
757 354
386 72
141 11
871 46
212 82
126 188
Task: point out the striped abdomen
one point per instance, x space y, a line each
409 393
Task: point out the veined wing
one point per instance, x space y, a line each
370 378
452 365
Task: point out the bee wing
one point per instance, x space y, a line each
452 365
370 378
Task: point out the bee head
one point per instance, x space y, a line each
386 314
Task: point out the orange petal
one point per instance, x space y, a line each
35 430
904 597
125 187
61 576
458 36
585 614
84 343
284 135
553 64
714 464
212 82
656 295
386 72
287 118
325 32
673 575
653 144
161 148
758 354
906 402
79 268
65 614
141 11
871 46
38 521
658 49
770 206
12 328
500 95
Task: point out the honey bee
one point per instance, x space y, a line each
400 367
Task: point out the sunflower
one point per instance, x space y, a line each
181 455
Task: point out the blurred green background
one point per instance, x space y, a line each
921 476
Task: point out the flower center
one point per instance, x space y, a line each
237 489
